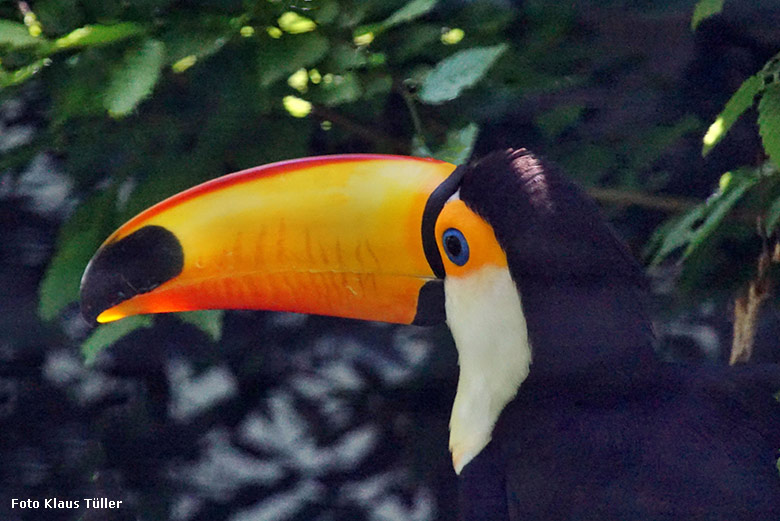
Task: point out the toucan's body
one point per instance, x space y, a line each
680 443
562 410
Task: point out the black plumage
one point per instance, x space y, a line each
601 429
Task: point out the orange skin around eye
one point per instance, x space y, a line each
484 249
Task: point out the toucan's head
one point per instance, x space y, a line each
512 255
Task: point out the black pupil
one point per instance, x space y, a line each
453 245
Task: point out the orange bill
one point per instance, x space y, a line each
337 235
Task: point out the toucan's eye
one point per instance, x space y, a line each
455 246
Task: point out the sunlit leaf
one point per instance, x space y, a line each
135 78
208 320
277 59
453 36
459 145
10 78
293 23
769 122
93 35
704 9
106 334
296 107
739 103
79 238
15 34
458 72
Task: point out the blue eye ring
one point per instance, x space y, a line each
455 246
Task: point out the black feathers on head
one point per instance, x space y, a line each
548 226
581 290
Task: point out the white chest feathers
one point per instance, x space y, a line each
486 318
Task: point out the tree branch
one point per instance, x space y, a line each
371 134
619 197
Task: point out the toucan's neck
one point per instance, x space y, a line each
589 328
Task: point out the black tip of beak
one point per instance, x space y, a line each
130 266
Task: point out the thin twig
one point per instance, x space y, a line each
371 134
643 200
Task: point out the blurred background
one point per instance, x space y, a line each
109 107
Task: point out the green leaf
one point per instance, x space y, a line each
459 145
769 121
720 204
208 320
106 334
94 35
278 58
409 12
674 234
773 216
183 51
135 78
739 103
415 41
15 34
345 57
459 71
704 9
696 226
10 78
79 237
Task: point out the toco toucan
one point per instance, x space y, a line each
562 411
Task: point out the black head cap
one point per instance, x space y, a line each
548 226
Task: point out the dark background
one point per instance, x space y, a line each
303 417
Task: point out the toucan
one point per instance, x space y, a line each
562 411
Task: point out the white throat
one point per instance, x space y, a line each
486 318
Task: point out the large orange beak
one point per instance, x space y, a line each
340 235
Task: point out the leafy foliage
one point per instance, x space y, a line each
457 72
134 78
697 226
752 188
